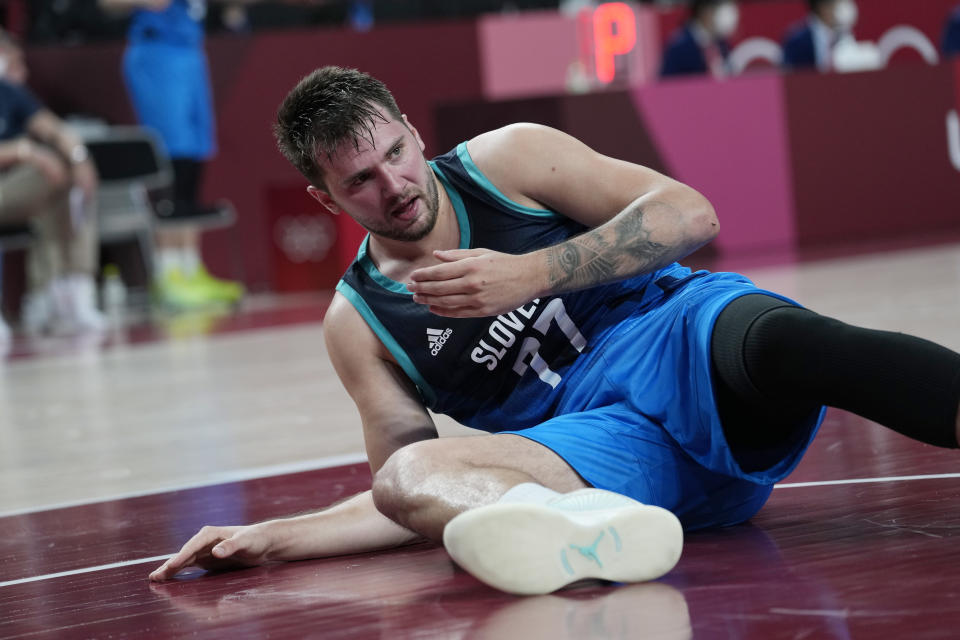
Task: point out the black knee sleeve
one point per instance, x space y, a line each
790 355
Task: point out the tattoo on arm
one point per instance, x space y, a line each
619 249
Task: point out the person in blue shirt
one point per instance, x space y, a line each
165 69
809 44
951 34
48 178
527 286
701 46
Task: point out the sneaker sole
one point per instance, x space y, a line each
531 549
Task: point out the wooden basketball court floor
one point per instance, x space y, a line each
113 453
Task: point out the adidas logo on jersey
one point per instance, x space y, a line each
437 338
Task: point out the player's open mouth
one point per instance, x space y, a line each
407 210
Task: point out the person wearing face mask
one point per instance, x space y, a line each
701 45
811 43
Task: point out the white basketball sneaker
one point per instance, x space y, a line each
74 310
527 548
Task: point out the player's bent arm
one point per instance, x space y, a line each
642 220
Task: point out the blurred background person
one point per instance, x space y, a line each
701 45
167 78
47 177
951 34
810 44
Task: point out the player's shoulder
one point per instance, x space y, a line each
509 141
513 157
341 316
345 330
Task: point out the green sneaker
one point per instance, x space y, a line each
177 292
216 289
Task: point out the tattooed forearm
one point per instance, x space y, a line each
619 249
576 264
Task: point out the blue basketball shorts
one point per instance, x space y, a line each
640 418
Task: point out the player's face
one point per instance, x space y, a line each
385 185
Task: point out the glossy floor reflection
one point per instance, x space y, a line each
871 559
113 454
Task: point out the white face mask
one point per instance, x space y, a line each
845 14
726 19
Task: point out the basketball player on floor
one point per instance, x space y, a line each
527 286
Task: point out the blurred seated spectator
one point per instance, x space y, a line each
951 34
701 46
810 44
47 177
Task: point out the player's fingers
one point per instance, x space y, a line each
195 546
436 287
452 255
227 548
446 271
170 568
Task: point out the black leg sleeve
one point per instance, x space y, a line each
770 356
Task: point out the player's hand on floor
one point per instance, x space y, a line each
474 283
218 548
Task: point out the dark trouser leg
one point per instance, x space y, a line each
187 176
775 362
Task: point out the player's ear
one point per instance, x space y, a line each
416 134
324 198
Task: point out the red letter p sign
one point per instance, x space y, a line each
614 33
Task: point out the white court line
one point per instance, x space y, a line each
827 483
73 572
219 477
353 458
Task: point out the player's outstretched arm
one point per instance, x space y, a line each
353 526
392 415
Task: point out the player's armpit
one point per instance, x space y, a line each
390 406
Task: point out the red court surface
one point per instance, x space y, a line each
874 557
861 541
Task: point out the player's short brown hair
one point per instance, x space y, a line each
328 107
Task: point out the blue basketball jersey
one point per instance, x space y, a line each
510 371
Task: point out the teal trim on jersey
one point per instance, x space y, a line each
474 172
462 220
387 339
367 264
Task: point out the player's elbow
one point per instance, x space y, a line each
706 225
700 225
